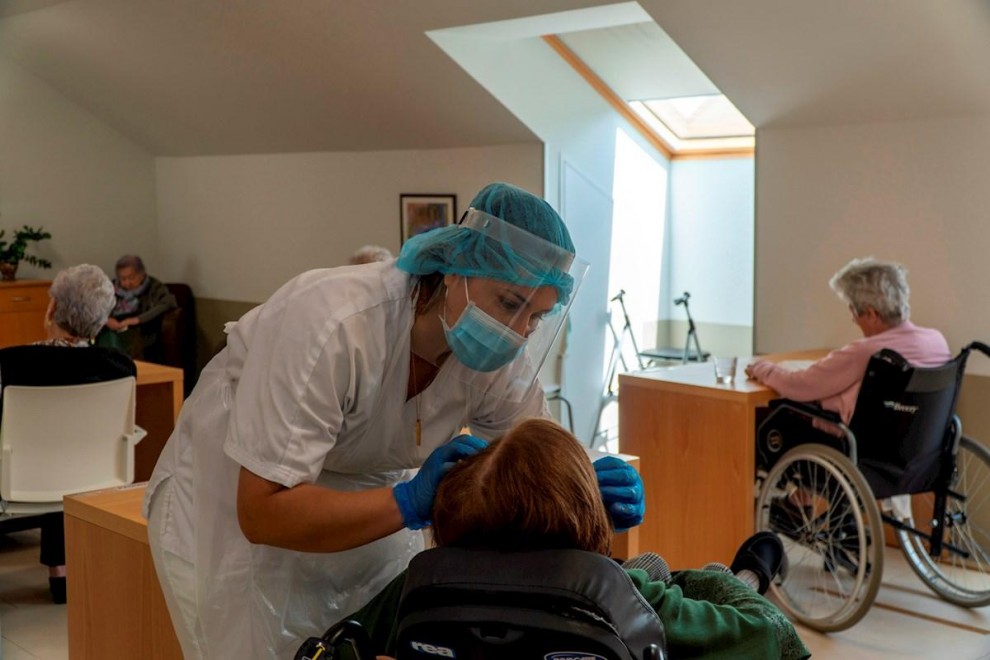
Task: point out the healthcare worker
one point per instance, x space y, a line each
283 500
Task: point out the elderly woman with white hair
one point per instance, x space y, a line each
877 295
80 301
81 298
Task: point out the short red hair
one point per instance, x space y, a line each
534 488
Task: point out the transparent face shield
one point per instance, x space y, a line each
502 317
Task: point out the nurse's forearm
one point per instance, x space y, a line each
311 518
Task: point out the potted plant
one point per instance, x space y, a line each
14 252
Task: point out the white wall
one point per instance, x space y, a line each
711 240
62 168
579 130
915 192
238 227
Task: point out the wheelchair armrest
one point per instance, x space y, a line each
813 411
808 409
347 632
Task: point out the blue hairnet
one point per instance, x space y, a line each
460 250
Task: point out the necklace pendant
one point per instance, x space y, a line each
419 433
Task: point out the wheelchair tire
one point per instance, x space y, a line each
833 549
959 580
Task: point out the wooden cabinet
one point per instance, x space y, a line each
22 311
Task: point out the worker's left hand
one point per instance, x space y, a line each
415 497
622 492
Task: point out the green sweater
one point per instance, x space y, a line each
704 613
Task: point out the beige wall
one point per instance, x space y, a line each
972 407
910 191
722 339
62 168
237 227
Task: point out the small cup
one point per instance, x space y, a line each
725 369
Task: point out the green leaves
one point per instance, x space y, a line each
15 251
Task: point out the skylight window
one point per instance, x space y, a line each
700 117
639 70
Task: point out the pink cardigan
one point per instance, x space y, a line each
835 379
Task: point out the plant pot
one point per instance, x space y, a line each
8 271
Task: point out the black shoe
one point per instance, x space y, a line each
762 553
57 586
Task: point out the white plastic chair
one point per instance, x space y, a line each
61 440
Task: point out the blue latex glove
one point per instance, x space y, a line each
622 492
415 497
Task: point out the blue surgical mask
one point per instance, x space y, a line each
481 342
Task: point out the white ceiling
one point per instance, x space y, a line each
193 77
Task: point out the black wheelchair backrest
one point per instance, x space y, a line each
903 422
552 604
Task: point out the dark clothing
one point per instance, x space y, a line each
52 539
61 365
43 366
704 614
143 341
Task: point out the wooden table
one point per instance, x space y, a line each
696 441
115 605
159 400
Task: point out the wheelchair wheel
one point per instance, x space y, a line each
823 510
960 580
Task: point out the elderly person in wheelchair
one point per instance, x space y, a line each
525 516
877 294
880 424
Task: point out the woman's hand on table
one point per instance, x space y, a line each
750 372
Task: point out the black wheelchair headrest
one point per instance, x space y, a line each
568 591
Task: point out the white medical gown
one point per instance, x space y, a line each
311 388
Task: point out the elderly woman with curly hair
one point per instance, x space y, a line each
80 299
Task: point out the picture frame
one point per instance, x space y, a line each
421 212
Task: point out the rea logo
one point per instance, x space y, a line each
570 655
442 651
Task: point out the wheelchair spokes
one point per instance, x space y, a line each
959 579
814 499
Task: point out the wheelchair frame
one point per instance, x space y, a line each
822 506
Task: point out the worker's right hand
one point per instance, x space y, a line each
415 497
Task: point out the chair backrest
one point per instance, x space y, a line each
59 440
903 422
179 333
549 603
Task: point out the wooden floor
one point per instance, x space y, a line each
906 622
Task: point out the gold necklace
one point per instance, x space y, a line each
419 424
